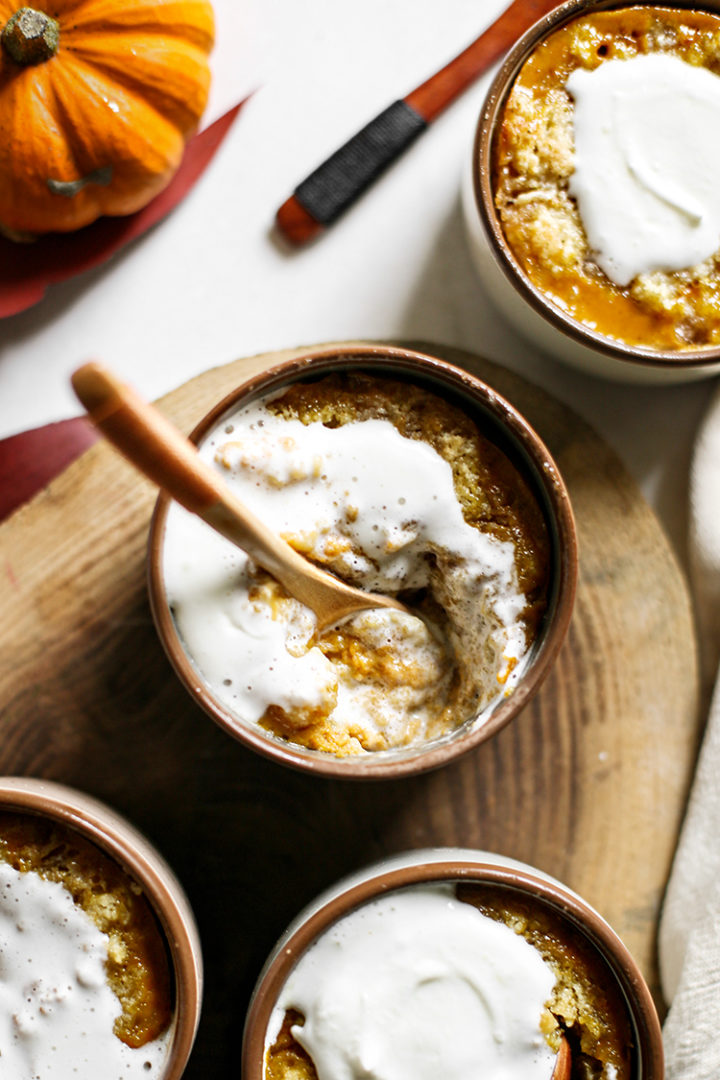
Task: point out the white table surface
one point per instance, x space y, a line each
210 284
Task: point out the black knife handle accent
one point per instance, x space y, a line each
335 184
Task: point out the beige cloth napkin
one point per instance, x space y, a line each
690 924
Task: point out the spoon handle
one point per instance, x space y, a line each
336 184
140 432
563 1062
163 454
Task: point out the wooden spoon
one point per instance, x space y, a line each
335 185
172 462
563 1062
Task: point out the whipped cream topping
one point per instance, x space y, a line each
418 985
378 509
646 163
56 1008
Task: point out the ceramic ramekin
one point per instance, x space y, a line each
456 865
505 427
527 309
117 838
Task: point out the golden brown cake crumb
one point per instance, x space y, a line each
585 1006
286 1059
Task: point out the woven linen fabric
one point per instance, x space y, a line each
690 925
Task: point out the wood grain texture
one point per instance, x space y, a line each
588 783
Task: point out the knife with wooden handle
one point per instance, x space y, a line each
335 185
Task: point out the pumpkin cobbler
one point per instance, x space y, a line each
660 300
397 491
577 1004
137 965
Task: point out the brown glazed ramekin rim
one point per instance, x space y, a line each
483 153
123 843
513 433
621 966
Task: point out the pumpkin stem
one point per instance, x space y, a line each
31 37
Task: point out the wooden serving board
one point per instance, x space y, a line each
588 784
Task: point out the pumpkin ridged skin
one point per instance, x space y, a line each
126 88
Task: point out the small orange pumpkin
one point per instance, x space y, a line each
97 99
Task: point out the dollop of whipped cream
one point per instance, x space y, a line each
418 985
57 1010
380 510
647 163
